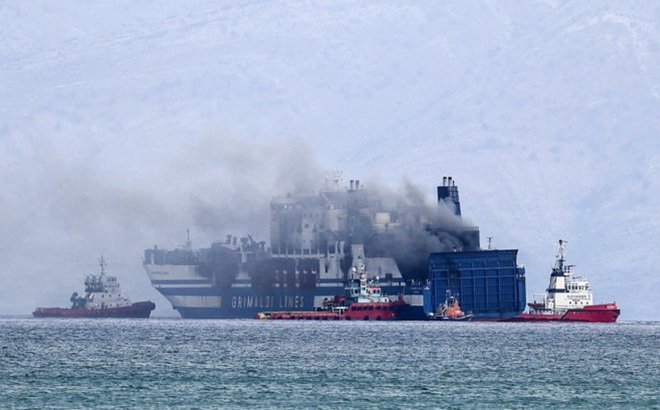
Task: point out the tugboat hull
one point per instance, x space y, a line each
606 313
137 310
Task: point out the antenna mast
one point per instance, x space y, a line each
102 264
560 257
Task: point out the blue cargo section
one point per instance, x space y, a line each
490 284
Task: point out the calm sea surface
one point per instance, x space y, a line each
169 363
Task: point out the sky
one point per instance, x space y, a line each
124 124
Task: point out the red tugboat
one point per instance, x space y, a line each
102 299
364 300
567 299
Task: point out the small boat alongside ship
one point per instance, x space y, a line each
364 300
102 298
451 311
567 299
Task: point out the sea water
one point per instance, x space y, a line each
175 363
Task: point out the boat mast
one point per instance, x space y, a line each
560 256
188 244
557 278
102 264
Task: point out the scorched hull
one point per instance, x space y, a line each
244 303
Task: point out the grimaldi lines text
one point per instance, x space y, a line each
268 302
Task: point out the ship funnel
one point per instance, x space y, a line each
357 184
352 184
448 193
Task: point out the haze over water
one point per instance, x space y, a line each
169 363
124 123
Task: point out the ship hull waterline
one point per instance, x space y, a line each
605 313
246 303
138 310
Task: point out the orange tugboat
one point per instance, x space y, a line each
568 298
102 299
451 311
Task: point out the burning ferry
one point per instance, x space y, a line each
316 241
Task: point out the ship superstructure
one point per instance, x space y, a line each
565 290
101 291
315 242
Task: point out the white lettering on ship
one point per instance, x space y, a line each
159 273
267 302
578 297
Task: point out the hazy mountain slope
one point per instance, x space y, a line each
123 123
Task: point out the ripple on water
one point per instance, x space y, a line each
159 363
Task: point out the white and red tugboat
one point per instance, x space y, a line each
102 299
369 303
364 300
568 298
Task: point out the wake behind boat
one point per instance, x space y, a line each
102 299
568 298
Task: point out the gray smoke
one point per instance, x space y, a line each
232 181
68 210
427 227
62 211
